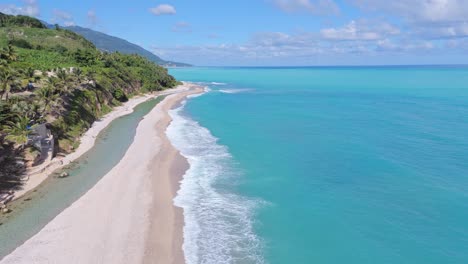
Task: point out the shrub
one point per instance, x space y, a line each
120 95
21 43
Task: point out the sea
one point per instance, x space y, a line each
324 165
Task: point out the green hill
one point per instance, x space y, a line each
112 44
25 21
59 78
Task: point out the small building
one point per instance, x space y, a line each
42 139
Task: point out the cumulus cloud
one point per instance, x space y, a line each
387 45
305 46
419 10
317 7
457 44
30 8
360 30
182 27
426 18
62 17
441 31
163 9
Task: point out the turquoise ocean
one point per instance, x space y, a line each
325 165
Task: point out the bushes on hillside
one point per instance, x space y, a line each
21 43
20 21
120 95
70 99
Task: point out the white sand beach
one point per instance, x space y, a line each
128 216
37 175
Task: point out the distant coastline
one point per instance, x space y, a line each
335 66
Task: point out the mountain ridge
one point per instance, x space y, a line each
110 43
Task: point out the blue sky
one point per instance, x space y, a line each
274 32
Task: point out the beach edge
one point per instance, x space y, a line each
93 218
164 243
37 176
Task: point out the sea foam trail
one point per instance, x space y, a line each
218 83
218 224
234 91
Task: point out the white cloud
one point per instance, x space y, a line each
62 17
420 10
163 9
457 44
92 18
69 24
182 27
404 46
360 30
317 7
30 8
440 31
429 19
280 47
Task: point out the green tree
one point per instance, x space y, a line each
18 132
47 96
63 80
78 73
62 75
5 113
21 107
53 81
10 53
29 72
7 79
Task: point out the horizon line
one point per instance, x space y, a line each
329 66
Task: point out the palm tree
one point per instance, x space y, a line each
30 72
10 53
3 61
62 75
7 79
63 78
47 95
90 75
78 73
53 81
24 108
5 113
57 85
18 132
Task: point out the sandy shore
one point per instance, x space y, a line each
37 175
128 216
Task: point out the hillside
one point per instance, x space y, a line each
58 79
25 21
112 44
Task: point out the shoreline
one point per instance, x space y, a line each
165 237
122 219
37 175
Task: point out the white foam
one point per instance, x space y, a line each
218 224
234 91
218 83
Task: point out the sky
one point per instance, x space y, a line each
274 32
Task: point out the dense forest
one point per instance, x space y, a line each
57 78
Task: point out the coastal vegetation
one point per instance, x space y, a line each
57 79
